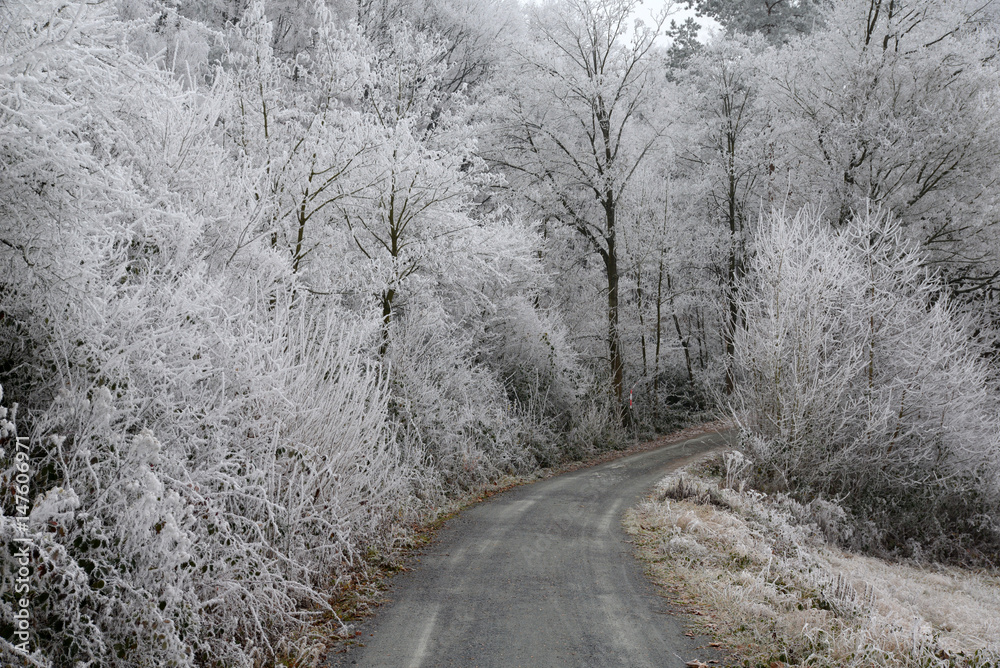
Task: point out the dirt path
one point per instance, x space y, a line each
540 575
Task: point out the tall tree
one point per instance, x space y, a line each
894 103
777 20
296 124
684 43
421 174
734 155
580 126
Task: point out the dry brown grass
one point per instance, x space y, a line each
763 579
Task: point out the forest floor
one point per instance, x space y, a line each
758 575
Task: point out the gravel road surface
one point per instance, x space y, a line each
540 575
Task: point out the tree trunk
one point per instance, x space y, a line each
732 314
734 270
610 204
614 344
684 340
642 321
659 341
614 338
387 298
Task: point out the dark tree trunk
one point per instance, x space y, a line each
615 354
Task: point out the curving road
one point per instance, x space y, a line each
540 575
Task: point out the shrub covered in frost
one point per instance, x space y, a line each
196 513
860 381
209 448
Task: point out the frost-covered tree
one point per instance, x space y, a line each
416 187
471 33
578 126
893 102
297 127
734 155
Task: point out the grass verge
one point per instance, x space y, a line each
760 575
